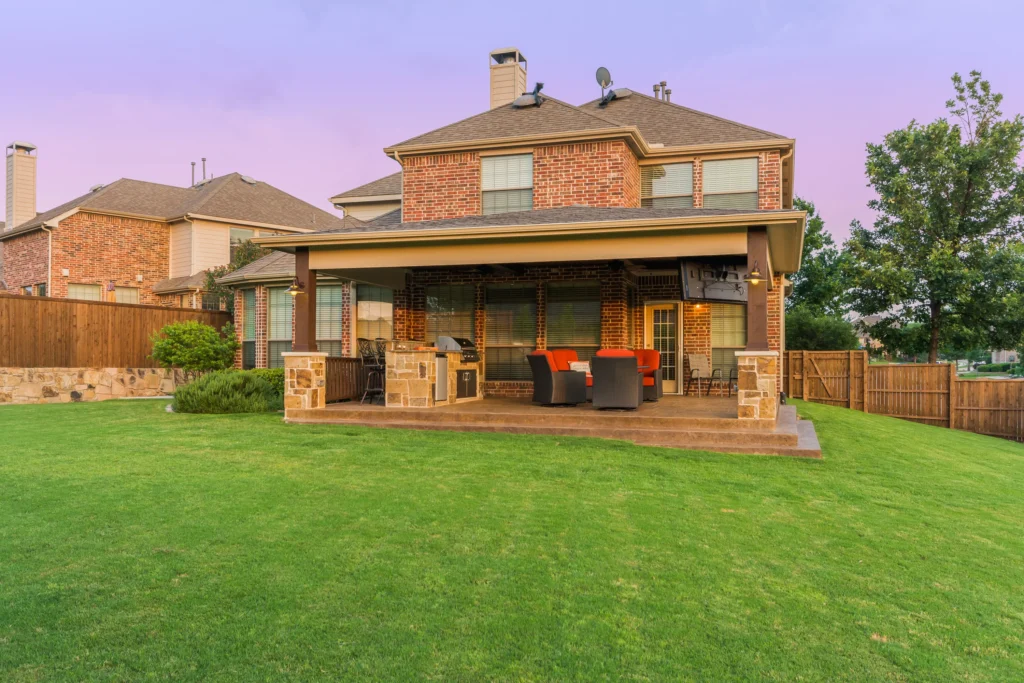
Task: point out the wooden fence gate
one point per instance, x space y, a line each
929 393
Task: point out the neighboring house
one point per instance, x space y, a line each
137 242
1005 356
540 224
862 328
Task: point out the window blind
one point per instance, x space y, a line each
450 311
279 325
248 329
211 302
87 292
666 186
510 330
126 295
728 335
374 312
507 183
574 317
730 184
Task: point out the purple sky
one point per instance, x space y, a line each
305 94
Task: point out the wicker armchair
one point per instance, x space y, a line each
617 379
551 387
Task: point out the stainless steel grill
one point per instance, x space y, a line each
466 346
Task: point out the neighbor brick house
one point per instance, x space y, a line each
628 221
138 242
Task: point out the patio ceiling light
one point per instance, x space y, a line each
296 288
754 276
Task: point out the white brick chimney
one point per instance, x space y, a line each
508 76
21 184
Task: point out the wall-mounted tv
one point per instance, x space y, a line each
713 281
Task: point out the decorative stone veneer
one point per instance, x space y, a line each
305 380
72 385
758 397
412 375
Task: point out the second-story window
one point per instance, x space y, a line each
238 237
507 183
730 184
666 186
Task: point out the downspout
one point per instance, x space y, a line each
49 259
401 206
782 162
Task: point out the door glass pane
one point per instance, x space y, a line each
664 340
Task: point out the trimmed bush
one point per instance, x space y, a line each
994 367
194 347
275 376
227 392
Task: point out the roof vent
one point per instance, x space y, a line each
248 179
618 94
97 188
530 99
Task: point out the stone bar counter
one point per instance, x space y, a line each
412 376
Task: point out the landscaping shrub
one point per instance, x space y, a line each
806 331
995 367
227 392
194 347
275 376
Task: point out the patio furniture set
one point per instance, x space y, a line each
618 378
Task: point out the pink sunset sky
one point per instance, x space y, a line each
304 95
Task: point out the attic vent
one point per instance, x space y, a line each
248 179
530 99
203 182
97 188
618 94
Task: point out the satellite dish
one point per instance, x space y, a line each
604 78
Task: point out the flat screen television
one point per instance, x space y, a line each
713 281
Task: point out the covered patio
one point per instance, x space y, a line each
563 279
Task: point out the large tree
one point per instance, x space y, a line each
818 286
946 238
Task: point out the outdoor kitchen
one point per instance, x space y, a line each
421 376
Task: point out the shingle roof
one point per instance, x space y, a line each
228 197
275 264
552 116
567 214
674 125
388 185
180 284
389 218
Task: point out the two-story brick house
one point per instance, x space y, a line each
138 242
623 222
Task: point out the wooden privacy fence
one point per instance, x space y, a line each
42 332
929 393
346 379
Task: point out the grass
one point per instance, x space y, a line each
139 544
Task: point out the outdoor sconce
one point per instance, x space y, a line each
296 288
754 276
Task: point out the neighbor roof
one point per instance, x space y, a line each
507 121
673 125
228 197
181 284
276 264
387 186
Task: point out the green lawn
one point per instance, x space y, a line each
140 544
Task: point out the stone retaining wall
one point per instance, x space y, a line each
67 385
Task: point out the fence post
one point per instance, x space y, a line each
952 394
803 375
864 380
849 382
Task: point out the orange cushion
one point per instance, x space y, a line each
563 357
649 357
590 380
615 353
648 381
546 354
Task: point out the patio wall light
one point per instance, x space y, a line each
296 288
754 276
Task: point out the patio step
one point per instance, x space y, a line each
789 437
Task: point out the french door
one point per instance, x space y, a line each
661 332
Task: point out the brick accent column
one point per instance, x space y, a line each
305 381
614 318
239 317
758 397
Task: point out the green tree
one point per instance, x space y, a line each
807 330
244 254
194 347
949 205
819 285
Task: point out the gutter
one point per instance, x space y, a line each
49 259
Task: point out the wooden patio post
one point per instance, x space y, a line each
757 294
305 303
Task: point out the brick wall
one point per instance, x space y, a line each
589 174
97 249
25 259
769 181
437 186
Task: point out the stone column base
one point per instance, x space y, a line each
758 392
305 381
